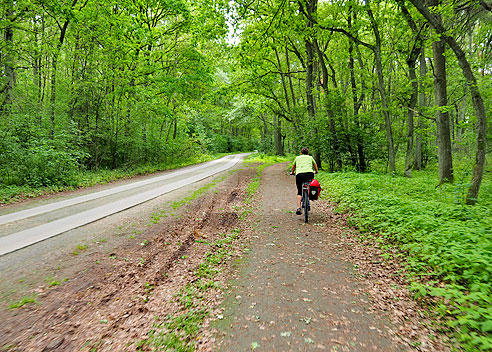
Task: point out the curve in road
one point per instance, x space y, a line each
39 233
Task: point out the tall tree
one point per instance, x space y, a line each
7 57
481 127
411 63
357 98
441 100
376 49
309 43
62 14
421 100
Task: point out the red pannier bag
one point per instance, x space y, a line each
314 190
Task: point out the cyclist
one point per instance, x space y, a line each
304 167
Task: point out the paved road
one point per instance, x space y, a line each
27 227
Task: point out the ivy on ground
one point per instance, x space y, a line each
447 245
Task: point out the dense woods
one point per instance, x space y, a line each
363 82
101 84
400 87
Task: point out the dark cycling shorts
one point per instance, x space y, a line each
301 178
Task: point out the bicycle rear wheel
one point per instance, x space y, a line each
305 204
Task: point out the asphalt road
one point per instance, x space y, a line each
27 227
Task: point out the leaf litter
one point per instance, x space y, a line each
110 290
368 291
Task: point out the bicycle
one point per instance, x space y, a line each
306 205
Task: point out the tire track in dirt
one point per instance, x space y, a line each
114 301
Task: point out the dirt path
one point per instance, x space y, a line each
111 300
295 291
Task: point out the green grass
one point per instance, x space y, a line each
82 247
22 302
266 159
179 332
446 245
179 203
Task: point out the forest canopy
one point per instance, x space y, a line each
88 85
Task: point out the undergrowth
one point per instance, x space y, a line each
446 245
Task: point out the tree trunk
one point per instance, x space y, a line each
440 92
410 116
287 100
54 65
36 65
386 113
8 59
277 134
54 62
175 128
329 112
417 164
360 139
53 96
411 62
477 101
384 102
356 100
42 77
309 79
311 7
290 76
460 117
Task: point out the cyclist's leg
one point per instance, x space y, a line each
299 193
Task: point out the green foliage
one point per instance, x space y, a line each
259 161
137 88
39 163
266 159
447 245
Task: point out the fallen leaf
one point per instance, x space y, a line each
306 320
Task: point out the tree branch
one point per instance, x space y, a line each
333 29
486 5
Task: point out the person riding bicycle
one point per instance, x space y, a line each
304 167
